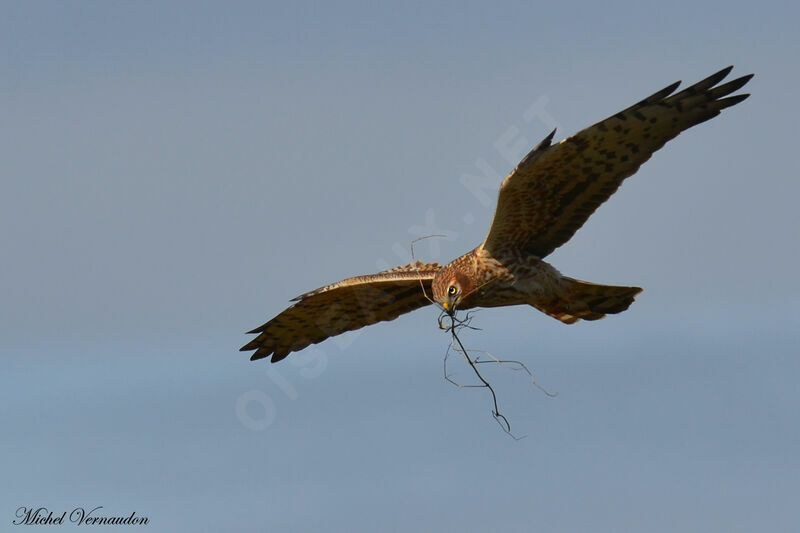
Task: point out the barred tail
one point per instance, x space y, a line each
587 301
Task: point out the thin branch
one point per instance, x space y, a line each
422 239
515 366
422 285
457 346
455 324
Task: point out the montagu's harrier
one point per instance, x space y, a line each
541 204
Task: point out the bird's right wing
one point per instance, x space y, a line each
347 305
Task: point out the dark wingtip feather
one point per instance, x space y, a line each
252 345
731 100
659 95
278 356
701 86
745 78
545 143
731 86
716 77
258 355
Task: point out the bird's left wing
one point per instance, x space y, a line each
347 305
554 189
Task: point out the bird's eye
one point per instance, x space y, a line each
451 290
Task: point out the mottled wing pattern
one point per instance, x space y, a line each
344 306
554 189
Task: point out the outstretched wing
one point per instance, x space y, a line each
344 306
554 189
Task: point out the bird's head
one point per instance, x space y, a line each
449 288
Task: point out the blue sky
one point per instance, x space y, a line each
172 174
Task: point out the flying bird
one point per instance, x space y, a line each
541 204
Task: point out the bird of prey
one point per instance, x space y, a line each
541 204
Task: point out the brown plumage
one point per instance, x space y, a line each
347 305
541 204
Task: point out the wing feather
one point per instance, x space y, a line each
343 306
555 189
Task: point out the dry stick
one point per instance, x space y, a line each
455 323
500 418
422 239
422 285
520 366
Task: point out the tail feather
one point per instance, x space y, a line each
588 301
